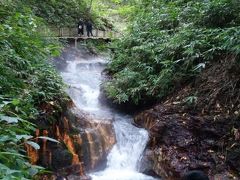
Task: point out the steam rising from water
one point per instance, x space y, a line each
83 75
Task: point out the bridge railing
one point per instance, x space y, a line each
71 32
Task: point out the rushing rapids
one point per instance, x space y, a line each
83 76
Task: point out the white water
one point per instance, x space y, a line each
84 77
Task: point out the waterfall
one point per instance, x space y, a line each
83 76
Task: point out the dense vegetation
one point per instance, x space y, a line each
169 43
60 13
63 13
27 79
114 12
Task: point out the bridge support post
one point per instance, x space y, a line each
96 32
75 42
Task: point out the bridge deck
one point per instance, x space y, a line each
71 33
81 37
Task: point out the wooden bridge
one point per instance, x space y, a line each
71 33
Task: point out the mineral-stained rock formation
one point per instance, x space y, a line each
84 143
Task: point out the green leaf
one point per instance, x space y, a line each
33 171
19 137
15 102
33 144
48 138
9 171
200 66
2 166
5 138
12 154
9 119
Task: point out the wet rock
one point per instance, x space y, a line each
84 143
73 177
180 142
93 138
196 174
233 158
61 158
146 164
62 177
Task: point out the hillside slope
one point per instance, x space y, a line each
198 127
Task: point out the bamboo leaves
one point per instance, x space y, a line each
170 42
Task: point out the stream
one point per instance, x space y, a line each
83 76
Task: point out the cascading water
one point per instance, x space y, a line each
83 75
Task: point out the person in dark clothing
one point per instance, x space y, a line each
89 28
195 175
80 28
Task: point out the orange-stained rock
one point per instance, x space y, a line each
32 154
84 143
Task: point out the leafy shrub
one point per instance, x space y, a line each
27 80
14 133
169 42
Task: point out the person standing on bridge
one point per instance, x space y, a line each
89 28
80 28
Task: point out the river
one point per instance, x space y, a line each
82 73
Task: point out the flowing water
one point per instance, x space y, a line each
83 75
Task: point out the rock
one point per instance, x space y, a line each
61 158
181 142
84 143
93 140
196 174
233 158
73 177
146 164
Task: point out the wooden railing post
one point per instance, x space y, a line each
96 32
59 32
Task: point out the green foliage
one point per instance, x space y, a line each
14 132
191 100
60 12
170 42
113 13
98 46
27 80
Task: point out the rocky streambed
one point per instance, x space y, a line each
97 141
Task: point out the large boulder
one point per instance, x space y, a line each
84 143
180 142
